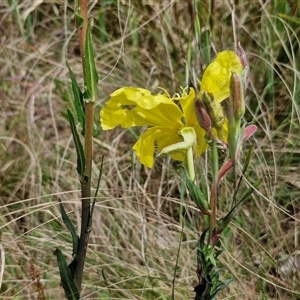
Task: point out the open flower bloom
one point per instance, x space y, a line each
131 106
164 116
216 77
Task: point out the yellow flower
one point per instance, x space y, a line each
131 106
165 119
216 78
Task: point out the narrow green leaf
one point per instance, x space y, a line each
196 195
69 286
249 191
223 222
218 253
245 167
79 148
78 18
71 228
90 221
220 287
248 158
78 100
91 76
201 242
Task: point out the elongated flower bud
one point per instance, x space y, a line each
237 96
243 58
241 53
214 110
202 115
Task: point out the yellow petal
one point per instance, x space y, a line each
144 148
155 139
201 142
110 117
216 77
167 115
138 97
187 105
147 110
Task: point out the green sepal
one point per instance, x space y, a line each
81 160
78 101
91 76
67 280
71 228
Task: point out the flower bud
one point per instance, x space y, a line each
242 55
243 58
237 96
214 110
202 115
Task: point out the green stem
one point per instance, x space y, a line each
214 189
86 195
88 147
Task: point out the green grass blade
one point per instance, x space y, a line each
289 18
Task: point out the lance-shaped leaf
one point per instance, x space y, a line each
221 286
78 18
223 222
67 280
71 228
91 76
249 191
90 220
79 148
196 195
78 100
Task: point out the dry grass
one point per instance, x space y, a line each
139 213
